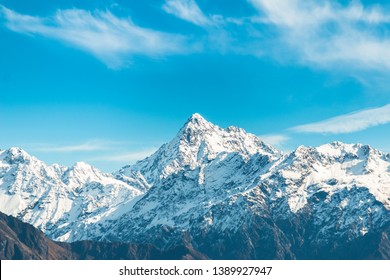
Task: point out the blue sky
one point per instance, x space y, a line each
108 82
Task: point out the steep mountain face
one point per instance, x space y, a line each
332 201
203 188
330 168
206 205
61 201
221 192
259 203
197 143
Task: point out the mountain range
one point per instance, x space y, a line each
219 193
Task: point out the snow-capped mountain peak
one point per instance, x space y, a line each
197 143
222 189
81 173
331 168
15 155
197 120
340 149
58 200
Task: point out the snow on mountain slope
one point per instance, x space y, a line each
221 191
197 143
329 196
227 190
330 168
193 194
287 184
204 168
60 201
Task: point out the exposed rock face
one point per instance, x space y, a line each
21 241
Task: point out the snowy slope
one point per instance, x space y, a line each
197 143
330 196
60 201
330 168
207 186
223 192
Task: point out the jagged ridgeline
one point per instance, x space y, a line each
219 193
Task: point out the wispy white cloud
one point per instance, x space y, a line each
327 34
221 30
111 39
319 33
352 122
127 157
187 10
274 139
89 146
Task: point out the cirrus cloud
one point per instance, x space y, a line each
274 139
348 123
127 157
327 34
111 39
88 146
187 10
